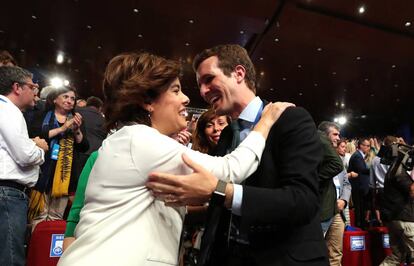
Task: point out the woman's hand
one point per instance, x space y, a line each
67 241
68 124
77 122
270 115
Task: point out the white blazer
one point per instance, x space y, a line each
121 222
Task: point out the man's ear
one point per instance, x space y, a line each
240 73
16 89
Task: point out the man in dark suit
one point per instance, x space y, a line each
94 125
275 213
360 184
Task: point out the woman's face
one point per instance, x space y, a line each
65 101
169 110
341 148
214 127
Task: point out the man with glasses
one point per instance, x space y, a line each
360 184
20 158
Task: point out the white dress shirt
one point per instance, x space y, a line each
377 173
19 156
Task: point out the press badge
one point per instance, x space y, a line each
55 152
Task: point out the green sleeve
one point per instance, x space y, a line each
73 217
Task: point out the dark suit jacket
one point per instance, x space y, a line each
330 166
94 124
280 207
357 164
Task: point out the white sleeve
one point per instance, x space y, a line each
238 165
156 152
21 148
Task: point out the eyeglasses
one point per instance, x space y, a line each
34 87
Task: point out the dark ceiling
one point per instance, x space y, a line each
323 55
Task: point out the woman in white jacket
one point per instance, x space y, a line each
121 223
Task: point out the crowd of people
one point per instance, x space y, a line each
250 183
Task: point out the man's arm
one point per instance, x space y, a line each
23 150
361 166
346 189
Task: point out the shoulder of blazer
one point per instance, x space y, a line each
358 155
293 118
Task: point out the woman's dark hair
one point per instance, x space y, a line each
200 140
50 105
132 80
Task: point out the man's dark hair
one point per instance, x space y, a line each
229 56
10 75
361 141
6 58
95 102
324 126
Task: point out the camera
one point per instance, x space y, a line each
397 153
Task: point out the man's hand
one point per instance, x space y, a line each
352 175
412 191
341 204
181 190
41 143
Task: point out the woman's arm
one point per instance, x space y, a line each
59 130
244 160
73 217
234 167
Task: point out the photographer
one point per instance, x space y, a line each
398 205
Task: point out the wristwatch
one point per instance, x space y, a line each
219 194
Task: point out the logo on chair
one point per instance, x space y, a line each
357 243
56 245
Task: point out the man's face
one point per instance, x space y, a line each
28 93
364 146
216 88
334 136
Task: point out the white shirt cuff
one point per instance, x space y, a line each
237 199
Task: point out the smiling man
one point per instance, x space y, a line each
275 212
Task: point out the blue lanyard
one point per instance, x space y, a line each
3 100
